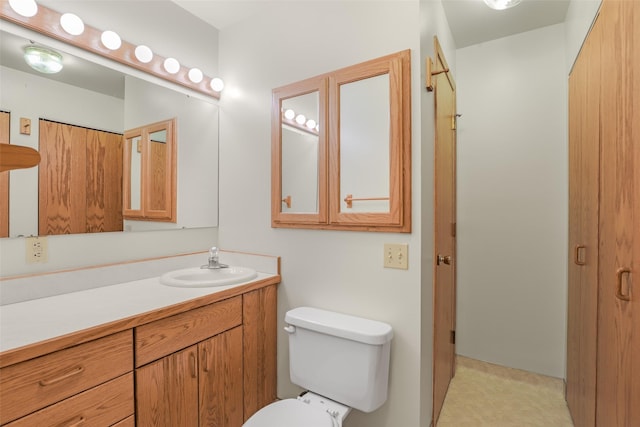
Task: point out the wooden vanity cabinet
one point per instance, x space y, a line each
89 384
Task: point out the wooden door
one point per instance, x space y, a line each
445 241
584 156
4 177
220 379
104 181
618 374
167 391
62 179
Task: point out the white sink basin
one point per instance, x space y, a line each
204 277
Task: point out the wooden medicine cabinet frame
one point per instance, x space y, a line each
329 214
166 189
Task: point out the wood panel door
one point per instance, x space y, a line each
444 292
62 179
5 120
220 379
584 163
167 391
618 373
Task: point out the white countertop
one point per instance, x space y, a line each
29 322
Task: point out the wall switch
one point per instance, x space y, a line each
396 255
37 250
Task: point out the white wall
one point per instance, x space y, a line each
141 22
512 201
335 270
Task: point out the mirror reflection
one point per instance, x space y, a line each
105 100
300 144
364 145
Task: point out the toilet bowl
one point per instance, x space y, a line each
343 362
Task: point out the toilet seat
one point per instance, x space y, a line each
290 413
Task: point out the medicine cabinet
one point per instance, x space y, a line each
341 149
149 176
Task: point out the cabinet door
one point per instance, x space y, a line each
584 152
167 391
221 380
618 375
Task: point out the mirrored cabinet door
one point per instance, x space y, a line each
149 179
299 153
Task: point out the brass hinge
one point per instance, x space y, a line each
453 122
453 229
453 337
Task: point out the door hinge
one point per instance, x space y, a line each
453 337
453 122
453 229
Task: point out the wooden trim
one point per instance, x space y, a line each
27 352
5 131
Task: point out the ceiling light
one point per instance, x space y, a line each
143 54
195 75
111 40
72 24
171 65
501 4
43 60
217 84
26 8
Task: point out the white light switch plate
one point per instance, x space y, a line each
396 255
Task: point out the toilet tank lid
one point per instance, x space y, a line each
340 325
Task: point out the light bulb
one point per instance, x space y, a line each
171 65
72 24
144 54
217 84
311 123
501 4
26 8
111 40
300 119
195 75
289 114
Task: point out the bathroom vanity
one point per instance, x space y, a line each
151 355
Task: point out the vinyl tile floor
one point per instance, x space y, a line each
486 395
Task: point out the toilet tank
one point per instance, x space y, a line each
341 357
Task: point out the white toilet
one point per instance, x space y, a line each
342 360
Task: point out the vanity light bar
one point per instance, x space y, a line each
47 21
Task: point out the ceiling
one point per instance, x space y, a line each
471 21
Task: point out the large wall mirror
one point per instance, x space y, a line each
94 97
341 149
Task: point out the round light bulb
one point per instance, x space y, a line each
72 24
111 40
195 75
26 8
171 65
501 4
289 114
143 54
300 119
311 123
217 84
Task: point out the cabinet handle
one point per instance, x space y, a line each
620 273
192 365
75 371
205 360
74 423
576 258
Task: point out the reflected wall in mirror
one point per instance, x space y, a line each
104 99
366 177
149 172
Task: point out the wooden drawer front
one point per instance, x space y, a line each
100 406
162 337
31 385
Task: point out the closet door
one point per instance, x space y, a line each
584 152
618 376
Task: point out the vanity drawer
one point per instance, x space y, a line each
101 406
31 385
165 336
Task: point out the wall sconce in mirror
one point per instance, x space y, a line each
43 60
70 28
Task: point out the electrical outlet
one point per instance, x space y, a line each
396 255
37 250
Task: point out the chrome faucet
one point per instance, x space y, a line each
213 260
